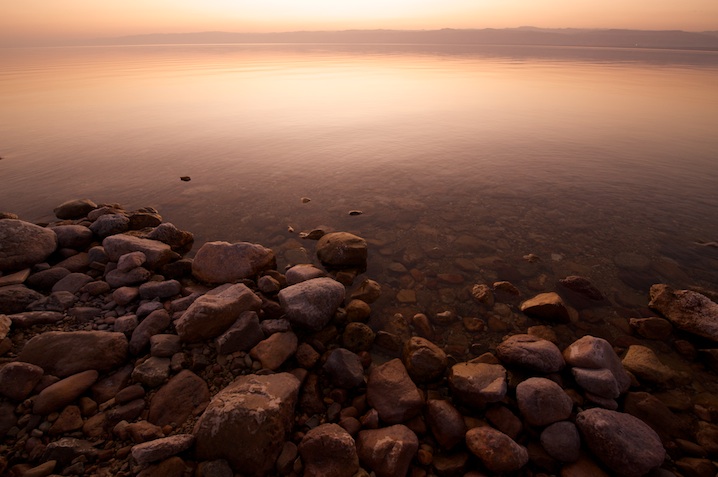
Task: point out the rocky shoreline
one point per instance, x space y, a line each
120 357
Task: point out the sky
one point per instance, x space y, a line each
55 20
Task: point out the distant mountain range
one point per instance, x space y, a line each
674 39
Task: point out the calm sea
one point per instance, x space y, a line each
601 162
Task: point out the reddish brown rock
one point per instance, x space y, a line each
24 244
542 401
550 307
497 451
63 392
388 451
64 353
342 249
161 449
531 352
329 451
588 356
424 360
224 262
477 384
392 393
446 423
70 419
687 310
153 324
17 380
275 350
183 395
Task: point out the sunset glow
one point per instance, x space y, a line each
72 19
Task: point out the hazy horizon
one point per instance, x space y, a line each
39 22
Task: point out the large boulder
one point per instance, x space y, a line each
224 262
211 314
687 310
23 244
624 443
329 451
342 249
247 422
156 253
66 353
392 393
388 451
312 303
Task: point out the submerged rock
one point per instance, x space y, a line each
687 310
342 249
550 307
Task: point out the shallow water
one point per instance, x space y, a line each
463 160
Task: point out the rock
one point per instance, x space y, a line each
503 419
655 413
125 295
17 278
328 451
17 380
549 307
357 311
477 384
532 353
243 335
368 291
144 431
275 350
78 263
72 283
562 441
179 240
211 314
312 303
302 273
76 237
67 449
5 325
16 298
165 345
157 253
247 422
160 449
184 395
153 324
358 337
424 360
483 294
45 279
144 218
686 310
597 354
110 224
117 278
131 260
497 451
152 372
542 401
652 328
342 249
392 393
108 387
446 423
130 393
344 369
74 209
224 262
625 444
66 353
126 324
215 468
645 365
63 392
32 318
163 289
69 420
388 451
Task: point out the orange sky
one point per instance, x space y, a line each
27 20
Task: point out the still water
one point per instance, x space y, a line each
603 163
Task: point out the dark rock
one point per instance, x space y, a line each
446 423
312 303
78 263
117 278
17 380
645 365
542 401
108 387
63 392
329 451
141 219
223 262
497 451
583 287
424 360
272 352
342 249
32 318
24 244
110 224
74 209
152 372
72 283
153 324
652 328
562 441
388 451
392 393
67 449
163 289
179 240
184 395
344 368
358 337
503 419
77 237
531 352
45 279
164 346
243 335
17 298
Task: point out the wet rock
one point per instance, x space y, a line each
645 365
246 423
497 451
66 353
392 393
358 337
302 273
477 384
223 262
63 392
483 294
652 328
550 307
582 286
163 289
387 452
357 310
17 298
183 395
593 353
110 224
152 372
625 444
312 303
542 401
344 368
74 209
77 237
368 291
179 240
243 335
153 324
24 244
562 441
211 314
275 350
686 310
424 360
446 423
342 249
17 380
160 449
329 451
532 353
157 253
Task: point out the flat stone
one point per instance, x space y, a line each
224 262
312 303
302 273
45 279
161 449
152 372
212 314
497 451
72 283
16 278
392 393
388 452
63 392
24 244
532 353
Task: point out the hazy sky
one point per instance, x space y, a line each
49 19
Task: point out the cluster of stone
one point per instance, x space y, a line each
120 357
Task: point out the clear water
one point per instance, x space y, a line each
463 160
